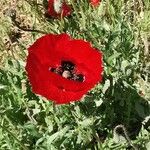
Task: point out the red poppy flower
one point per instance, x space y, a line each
63 69
58 8
94 2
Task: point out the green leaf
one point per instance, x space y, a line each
57 135
106 86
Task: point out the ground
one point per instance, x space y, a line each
113 115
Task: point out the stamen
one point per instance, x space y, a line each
56 70
78 77
52 69
67 65
67 71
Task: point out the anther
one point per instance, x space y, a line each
67 65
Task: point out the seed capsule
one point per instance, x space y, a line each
66 74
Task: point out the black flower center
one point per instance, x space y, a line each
67 70
67 65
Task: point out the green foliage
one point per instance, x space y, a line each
120 29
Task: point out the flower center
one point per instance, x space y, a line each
67 70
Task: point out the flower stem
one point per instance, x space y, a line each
126 135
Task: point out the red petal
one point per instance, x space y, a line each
95 2
65 9
49 51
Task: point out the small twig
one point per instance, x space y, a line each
17 24
19 142
125 134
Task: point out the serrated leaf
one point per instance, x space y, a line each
124 64
86 122
112 57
